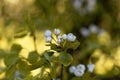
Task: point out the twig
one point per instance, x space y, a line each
62 71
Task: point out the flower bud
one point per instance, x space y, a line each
78 73
59 40
57 31
90 67
81 67
64 36
84 32
71 37
47 33
48 39
93 29
72 69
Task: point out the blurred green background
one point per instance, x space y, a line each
96 23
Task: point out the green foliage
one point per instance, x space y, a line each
29 77
2 53
65 58
52 13
20 33
10 72
16 48
23 67
10 59
71 45
33 57
86 76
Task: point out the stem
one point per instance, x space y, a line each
34 40
32 30
62 71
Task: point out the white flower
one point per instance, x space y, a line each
84 32
93 28
90 67
71 37
91 5
64 36
77 4
57 31
81 67
48 39
72 69
59 40
47 33
78 72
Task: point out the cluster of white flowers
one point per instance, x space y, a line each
60 38
92 29
78 5
79 70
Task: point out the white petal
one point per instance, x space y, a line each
72 69
47 33
78 73
90 67
57 31
81 67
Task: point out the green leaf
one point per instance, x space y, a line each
18 78
65 58
72 45
16 48
46 56
38 64
10 72
21 32
29 77
10 59
33 57
23 67
54 69
54 47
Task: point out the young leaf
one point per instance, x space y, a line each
22 32
47 56
38 64
72 45
23 67
10 59
65 58
10 73
29 77
33 57
16 48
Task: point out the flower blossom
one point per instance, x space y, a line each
48 33
90 67
71 37
72 69
64 36
57 31
48 39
